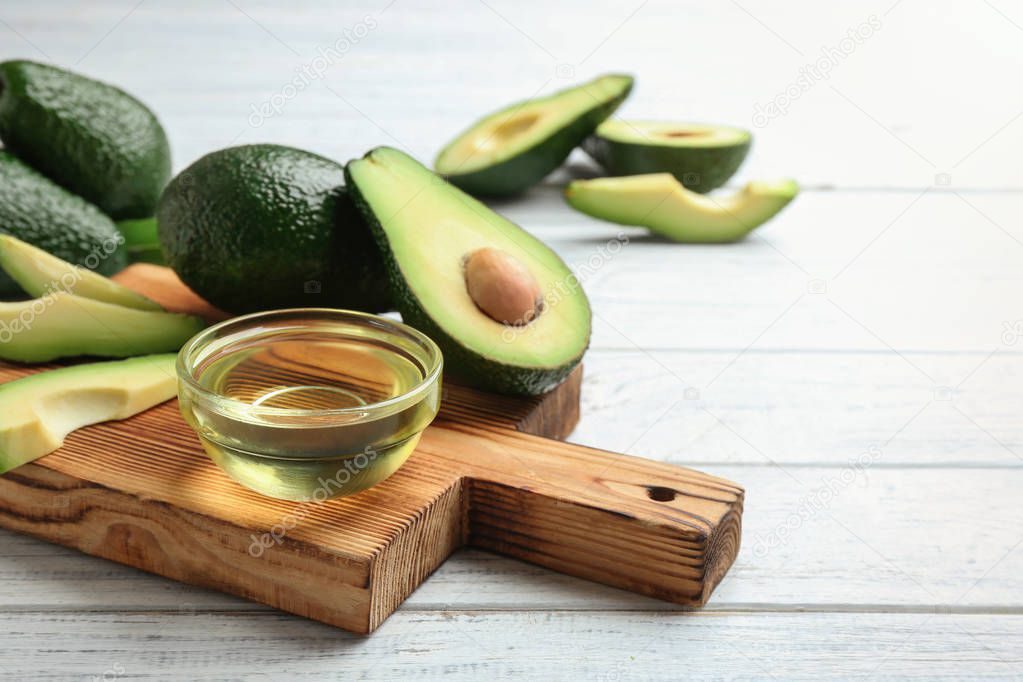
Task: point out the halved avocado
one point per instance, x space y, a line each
660 203
506 311
39 273
38 411
702 157
63 325
513 149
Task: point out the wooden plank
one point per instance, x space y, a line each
710 408
473 646
889 538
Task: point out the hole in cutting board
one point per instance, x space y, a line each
659 493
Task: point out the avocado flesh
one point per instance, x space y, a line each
93 139
37 211
39 273
63 325
38 411
660 203
259 227
512 149
702 157
426 228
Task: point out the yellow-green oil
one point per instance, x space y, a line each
307 453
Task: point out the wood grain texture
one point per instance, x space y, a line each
142 492
473 645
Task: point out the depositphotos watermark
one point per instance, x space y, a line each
815 502
814 72
64 284
571 282
1012 332
327 488
311 71
112 673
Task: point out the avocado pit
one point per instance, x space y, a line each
501 286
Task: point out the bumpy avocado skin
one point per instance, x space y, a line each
37 211
461 364
524 170
89 137
260 227
700 169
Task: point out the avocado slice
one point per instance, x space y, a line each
702 157
38 411
660 203
95 140
506 311
512 149
44 214
262 226
39 273
64 325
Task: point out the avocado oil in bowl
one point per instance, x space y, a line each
309 404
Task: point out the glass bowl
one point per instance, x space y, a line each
310 403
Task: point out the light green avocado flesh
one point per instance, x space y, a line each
39 273
63 325
427 228
671 134
517 146
38 411
660 203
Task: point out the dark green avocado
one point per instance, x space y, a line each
702 157
37 211
89 137
514 148
260 227
430 233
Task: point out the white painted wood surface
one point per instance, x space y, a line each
879 320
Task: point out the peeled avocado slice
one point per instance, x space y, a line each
437 243
63 325
514 148
38 411
39 273
702 157
660 203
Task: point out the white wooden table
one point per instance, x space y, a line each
856 365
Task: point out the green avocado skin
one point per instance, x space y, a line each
460 363
699 169
89 137
44 214
522 171
261 227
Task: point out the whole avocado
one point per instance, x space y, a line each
262 226
44 214
89 137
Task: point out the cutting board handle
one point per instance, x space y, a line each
654 528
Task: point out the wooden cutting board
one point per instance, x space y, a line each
488 473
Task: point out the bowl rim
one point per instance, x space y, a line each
434 369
